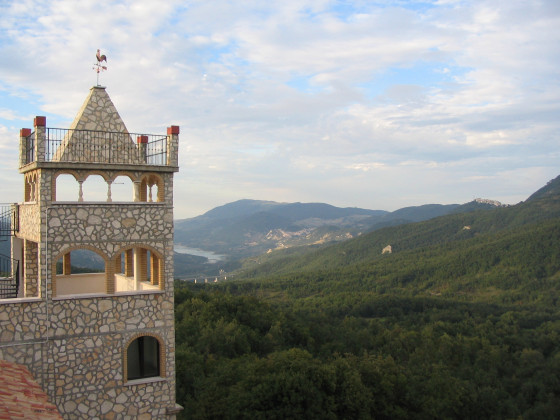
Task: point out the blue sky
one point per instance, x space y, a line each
378 105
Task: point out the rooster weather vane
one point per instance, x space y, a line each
98 67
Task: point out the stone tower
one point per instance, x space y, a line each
100 344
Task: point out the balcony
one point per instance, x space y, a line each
75 285
59 145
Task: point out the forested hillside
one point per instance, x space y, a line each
251 227
461 320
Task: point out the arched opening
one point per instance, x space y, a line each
67 188
31 189
151 189
95 188
80 271
138 268
144 358
122 189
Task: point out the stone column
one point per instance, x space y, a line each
154 269
143 274
109 198
143 190
40 124
140 266
24 159
161 275
66 265
173 145
109 277
118 264
136 195
142 148
129 263
31 269
81 191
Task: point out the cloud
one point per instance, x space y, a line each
294 99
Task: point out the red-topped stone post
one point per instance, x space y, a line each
142 147
26 152
173 145
40 124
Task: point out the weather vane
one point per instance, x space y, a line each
98 67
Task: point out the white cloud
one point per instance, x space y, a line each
287 100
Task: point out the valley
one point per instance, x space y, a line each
460 321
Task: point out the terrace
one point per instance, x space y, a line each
92 146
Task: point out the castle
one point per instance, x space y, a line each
101 345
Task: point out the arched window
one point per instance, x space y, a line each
143 358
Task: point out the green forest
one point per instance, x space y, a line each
460 321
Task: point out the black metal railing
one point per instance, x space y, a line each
92 146
156 151
9 277
9 220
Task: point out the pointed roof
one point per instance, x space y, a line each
97 114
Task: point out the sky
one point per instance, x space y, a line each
371 104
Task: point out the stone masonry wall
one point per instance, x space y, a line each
80 366
105 225
29 222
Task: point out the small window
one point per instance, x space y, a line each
143 358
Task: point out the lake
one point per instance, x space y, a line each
212 257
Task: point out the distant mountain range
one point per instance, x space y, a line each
494 240
247 228
452 317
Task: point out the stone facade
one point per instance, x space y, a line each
74 339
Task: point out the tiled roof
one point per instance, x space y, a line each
21 397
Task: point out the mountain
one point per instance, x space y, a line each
251 227
551 189
247 228
491 223
459 320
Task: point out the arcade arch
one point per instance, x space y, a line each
139 268
66 188
152 188
122 188
95 188
87 275
99 187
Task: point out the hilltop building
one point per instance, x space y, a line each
101 345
